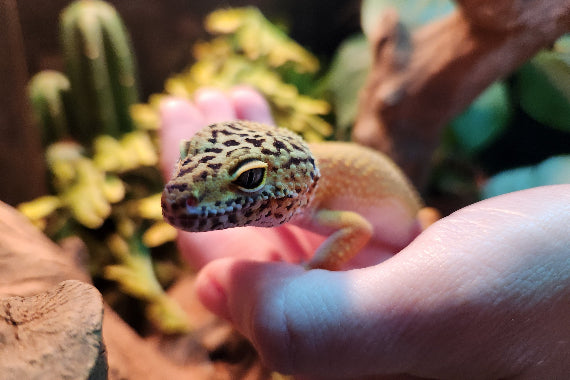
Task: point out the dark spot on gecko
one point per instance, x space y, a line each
279 145
278 216
187 170
215 166
263 206
206 159
255 142
213 150
231 126
202 223
177 186
291 161
204 175
217 226
230 143
232 219
312 162
248 213
296 147
217 203
213 141
268 214
269 152
289 206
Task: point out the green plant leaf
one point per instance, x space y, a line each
484 119
413 13
543 86
555 170
346 77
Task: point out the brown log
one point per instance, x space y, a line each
419 81
53 335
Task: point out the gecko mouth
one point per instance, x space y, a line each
186 212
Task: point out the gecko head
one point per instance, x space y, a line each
237 174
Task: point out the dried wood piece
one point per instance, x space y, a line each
30 264
53 335
420 81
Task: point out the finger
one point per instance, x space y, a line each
214 105
179 120
287 243
250 105
484 291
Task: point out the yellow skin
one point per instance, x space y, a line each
243 173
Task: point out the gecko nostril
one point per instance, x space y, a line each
191 201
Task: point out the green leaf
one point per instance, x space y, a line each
413 13
543 86
484 120
346 77
555 170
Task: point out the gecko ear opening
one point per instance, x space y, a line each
250 176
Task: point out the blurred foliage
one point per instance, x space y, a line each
485 119
104 178
412 13
543 86
345 78
555 170
540 92
250 50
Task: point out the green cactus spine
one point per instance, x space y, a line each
101 68
49 93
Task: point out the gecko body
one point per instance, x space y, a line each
242 173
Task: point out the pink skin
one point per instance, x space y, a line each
483 293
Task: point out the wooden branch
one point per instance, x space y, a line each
53 335
420 81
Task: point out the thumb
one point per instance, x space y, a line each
303 322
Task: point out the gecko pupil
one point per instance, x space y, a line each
250 179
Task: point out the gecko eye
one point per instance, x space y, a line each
250 176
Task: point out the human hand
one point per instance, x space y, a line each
483 293
180 120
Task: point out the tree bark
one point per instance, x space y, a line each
419 81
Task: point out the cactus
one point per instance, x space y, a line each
49 95
103 179
101 68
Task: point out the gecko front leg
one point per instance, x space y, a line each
348 234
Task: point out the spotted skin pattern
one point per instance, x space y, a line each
243 173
